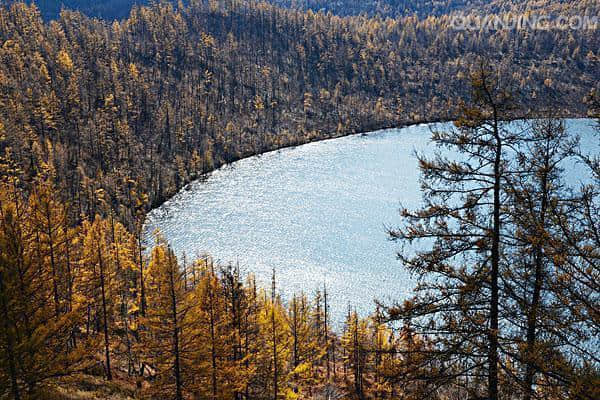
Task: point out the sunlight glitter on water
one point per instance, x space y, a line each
316 213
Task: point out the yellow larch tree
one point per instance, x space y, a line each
35 345
167 328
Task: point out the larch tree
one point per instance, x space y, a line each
122 253
355 342
97 284
304 346
52 227
237 307
218 370
167 329
576 274
273 357
459 236
35 337
533 309
382 349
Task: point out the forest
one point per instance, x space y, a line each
138 108
101 121
422 9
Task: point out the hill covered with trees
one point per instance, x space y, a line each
426 8
118 9
144 105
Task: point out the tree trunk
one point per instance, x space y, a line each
493 330
52 262
176 362
213 347
275 369
537 289
10 345
104 317
141 266
326 333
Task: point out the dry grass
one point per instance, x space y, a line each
87 387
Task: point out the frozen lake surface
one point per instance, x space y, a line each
316 213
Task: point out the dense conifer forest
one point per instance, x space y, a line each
102 120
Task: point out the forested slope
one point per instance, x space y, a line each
144 105
425 8
118 9
106 9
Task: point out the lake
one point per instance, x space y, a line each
316 213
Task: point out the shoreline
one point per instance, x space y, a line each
366 131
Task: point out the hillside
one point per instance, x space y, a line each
119 9
149 103
426 8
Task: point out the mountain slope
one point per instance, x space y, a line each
151 102
425 8
119 9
